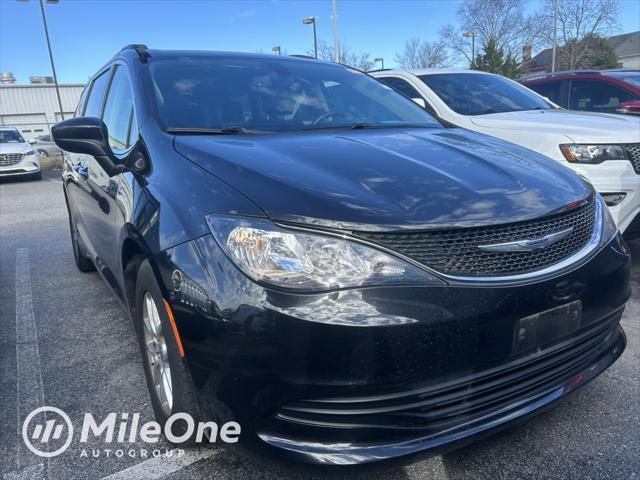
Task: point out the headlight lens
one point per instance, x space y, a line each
308 261
592 153
29 153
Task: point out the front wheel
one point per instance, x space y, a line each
168 378
81 260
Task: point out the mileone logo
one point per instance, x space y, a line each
48 431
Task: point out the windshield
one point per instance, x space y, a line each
633 80
10 136
479 94
275 95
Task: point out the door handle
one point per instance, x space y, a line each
81 170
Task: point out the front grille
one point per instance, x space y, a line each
633 151
7 159
442 406
457 252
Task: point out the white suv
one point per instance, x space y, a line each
17 157
602 147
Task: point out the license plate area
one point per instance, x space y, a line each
537 331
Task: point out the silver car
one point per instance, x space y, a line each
17 157
45 147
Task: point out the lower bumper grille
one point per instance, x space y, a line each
447 405
7 159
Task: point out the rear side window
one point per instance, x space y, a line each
596 96
401 86
118 111
94 102
551 90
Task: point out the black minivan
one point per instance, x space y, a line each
308 253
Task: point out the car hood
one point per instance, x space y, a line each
15 148
387 178
578 126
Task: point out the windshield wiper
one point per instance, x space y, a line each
227 130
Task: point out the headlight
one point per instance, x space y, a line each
29 153
592 153
308 261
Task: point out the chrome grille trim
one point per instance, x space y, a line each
7 159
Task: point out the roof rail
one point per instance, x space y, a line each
299 55
379 70
140 48
535 75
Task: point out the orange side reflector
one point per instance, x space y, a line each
174 328
567 153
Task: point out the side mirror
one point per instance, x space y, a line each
87 135
420 101
32 141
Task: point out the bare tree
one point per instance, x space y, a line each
580 23
361 61
423 54
502 20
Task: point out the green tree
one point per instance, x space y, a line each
493 60
592 51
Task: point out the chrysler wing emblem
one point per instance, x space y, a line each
529 244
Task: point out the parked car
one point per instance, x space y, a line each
17 157
45 147
308 253
604 91
604 148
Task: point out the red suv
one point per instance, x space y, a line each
606 91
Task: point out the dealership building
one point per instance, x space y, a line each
32 108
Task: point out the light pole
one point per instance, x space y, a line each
53 68
276 49
555 37
336 43
473 46
312 20
381 60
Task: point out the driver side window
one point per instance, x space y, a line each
118 113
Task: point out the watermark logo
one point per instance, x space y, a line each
48 431
47 426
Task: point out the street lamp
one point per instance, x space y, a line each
381 60
312 20
473 46
53 68
276 49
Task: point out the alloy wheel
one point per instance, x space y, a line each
157 354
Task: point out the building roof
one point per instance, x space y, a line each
624 45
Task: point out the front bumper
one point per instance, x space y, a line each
377 374
27 166
616 176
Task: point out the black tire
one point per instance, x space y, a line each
183 391
82 261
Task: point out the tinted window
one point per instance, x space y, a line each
596 96
479 94
550 90
118 110
94 102
275 95
401 86
10 136
80 106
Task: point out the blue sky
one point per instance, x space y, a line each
85 33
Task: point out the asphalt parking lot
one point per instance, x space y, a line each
78 352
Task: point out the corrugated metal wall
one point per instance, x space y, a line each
34 108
